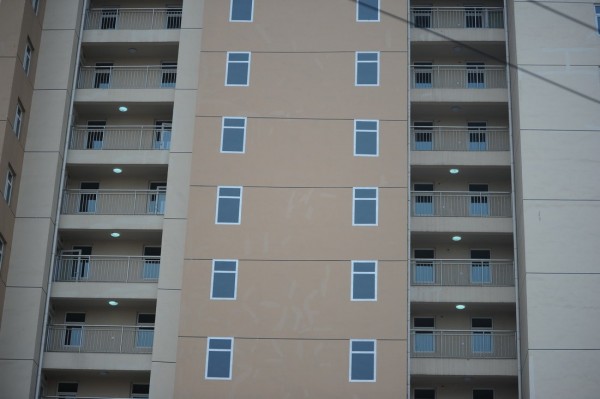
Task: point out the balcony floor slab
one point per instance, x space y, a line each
455 158
104 290
97 361
461 224
437 294
462 367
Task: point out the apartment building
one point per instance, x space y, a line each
275 198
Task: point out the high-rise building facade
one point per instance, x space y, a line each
291 199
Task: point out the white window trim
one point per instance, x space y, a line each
239 210
9 184
356 62
353 273
18 122
212 279
376 137
223 134
238 62
27 56
208 350
369 20
374 341
240 20
376 199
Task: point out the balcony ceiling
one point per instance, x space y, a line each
488 52
104 172
482 381
473 174
90 110
469 240
119 52
102 376
89 237
472 310
439 111
101 305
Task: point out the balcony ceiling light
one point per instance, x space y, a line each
456 238
113 303
123 108
132 50
460 307
455 108
117 170
454 171
115 234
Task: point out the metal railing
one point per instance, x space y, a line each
463 272
113 269
113 202
99 339
457 17
460 203
68 396
458 77
120 138
127 77
132 18
457 138
477 344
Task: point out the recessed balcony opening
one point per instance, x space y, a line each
153 16
106 384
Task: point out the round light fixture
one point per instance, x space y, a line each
455 108
460 307
454 171
118 170
113 303
115 234
132 50
123 108
456 238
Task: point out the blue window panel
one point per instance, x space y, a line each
219 364
363 367
368 10
241 10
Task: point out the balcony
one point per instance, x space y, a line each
458 83
457 23
454 211
132 18
88 347
455 352
107 269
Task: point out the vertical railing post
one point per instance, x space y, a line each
140 146
128 268
121 343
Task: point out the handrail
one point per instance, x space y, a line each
462 272
461 203
474 76
114 202
463 344
127 76
84 338
112 18
121 137
107 268
459 138
474 17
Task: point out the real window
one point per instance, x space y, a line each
364 280
18 122
145 330
233 134
363 360
9 184
95 135
422 17
224 279
219 358
366 138
483 394
102 74
424 393
173 20
481 336
424 272
140 391
157 197
80 265
364 212
238 69
241 11
474 17
424 338
229 205
162 135
109 18
422 75
367 10
67 390
367 69
27 56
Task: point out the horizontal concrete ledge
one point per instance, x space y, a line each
118 157
111 222
457 34
107 290
454 158
125 95
97 361
462 294
131 36
462 367
461 224
459 95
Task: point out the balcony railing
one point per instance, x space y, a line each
133 18
107 269
457 138
481 344
127 77
458 77
114 202
121 138
457 17
100 339
69 396
460 204
462 272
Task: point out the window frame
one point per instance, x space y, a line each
368 20
376 132
350 360
235 279
208 350
241 20
353 273
356 67
239 218
244 129
27 56
354 200
238 62
9 184
18 121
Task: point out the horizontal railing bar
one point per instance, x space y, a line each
131 9
144 67
461 193
456 8
116 191
108 257
465 332
461 260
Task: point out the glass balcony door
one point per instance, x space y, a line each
95 135
481 337
151 268
162 135
423 136
479 200
423 205
88 197
480 269
102 75
424 268
156 201
423 72
475 75
477 136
